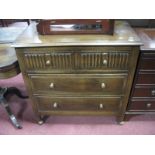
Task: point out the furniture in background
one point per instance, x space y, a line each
141 23
142 98
6 22
79 74
9 67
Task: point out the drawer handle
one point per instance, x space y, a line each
105 62
101 106
52 85
153 92
148 105
103 85
48 62
55 105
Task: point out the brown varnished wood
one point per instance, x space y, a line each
73 84
107 26
10 70
123 36
144 85
79 55
142 99
147 64
77 104
147 61
131 70
9 66
86 58
146 78
142 105
144 92
77 74
78 113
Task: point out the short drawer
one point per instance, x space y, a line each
141 105
77 104
144 92
65 83
146 79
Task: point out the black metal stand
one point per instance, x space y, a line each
4 92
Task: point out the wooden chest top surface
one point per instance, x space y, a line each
123 35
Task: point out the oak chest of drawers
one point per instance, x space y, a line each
142 99
79 75
78 80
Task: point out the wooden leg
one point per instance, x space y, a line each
40 122
127 117
42 119
121 123
120 120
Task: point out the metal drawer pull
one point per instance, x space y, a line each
101 106
148 105
48 62
98 21
105 62
52 85
53 21
153 92
103 85
55 105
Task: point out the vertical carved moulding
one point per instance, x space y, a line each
52 60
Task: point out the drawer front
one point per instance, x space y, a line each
147 64
148 54
76 58
77 104
146 79
144 92
147 61
142 105
63 83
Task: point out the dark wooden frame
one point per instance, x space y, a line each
44 26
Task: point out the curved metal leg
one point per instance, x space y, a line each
16 91
4 103
13 119
4 92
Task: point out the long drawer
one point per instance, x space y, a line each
140 105
146 79
147 64
69 59
66 104
144 92
147 61
104 84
